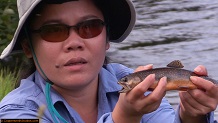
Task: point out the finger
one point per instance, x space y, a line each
184 105
203 99
186 108
200 70
203 84
158 92
147 67
210 92
192 105
141 88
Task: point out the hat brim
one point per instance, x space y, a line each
120 14
14 44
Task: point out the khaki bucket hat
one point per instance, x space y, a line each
120 14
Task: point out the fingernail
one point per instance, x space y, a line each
193 78
197 69
152 75
148 66
165 79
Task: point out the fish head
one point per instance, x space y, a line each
128 83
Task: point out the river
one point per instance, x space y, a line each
167 30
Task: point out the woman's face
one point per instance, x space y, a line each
74 62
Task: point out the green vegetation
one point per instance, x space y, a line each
7 81
8 21
8 24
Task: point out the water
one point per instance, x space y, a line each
166 30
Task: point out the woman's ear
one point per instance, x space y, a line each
107 45
26 48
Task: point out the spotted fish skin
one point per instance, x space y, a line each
177 78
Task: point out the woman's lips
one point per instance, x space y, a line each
75 61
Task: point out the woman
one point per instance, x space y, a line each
68 40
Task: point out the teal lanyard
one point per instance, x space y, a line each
51 107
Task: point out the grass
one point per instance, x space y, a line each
7 81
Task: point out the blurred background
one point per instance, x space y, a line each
167 30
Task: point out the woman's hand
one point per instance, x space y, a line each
195 104
132 105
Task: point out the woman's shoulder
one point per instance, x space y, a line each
28 95
119 70
22 102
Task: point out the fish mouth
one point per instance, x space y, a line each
75 61
125 88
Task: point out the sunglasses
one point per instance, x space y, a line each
60 32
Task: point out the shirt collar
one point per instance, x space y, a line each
108 81
108 78
55 96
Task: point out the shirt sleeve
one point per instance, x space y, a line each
20 112
168 114
17 111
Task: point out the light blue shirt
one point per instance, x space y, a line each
23 102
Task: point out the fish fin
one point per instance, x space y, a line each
175 64
183 88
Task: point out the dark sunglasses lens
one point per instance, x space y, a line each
59 32
90 29
54 33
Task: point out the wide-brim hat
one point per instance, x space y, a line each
120 15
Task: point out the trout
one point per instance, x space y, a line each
177 78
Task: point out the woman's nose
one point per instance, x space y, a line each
73 42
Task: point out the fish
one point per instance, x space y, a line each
177 78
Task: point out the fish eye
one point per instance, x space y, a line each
125 79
